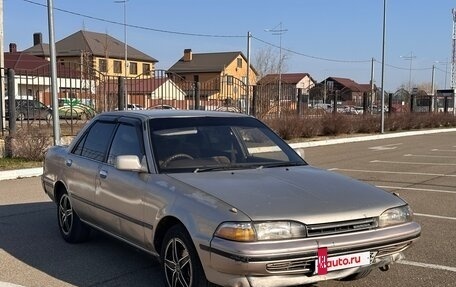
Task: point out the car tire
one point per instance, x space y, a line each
21 117
179 260
49 117
72 229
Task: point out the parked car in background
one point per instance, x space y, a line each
72 109
28 109
134 107
220 198
162 107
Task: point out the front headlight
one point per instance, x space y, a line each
257 231
395 216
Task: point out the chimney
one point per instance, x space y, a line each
188 55
37 39
12 48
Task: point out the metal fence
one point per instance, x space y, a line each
84 92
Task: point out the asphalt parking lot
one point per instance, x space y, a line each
422 169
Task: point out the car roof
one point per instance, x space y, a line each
168 113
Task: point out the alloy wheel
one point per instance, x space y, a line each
177 263
65 214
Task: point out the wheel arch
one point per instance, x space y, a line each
163 226
59 189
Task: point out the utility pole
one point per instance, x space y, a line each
247 83
382 128
278 30
432 88
372 85
453 62
125 50
2 75
55 106
409 58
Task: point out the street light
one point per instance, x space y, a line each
382 124
278 30
409 58
124 2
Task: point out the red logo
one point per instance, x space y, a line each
322 261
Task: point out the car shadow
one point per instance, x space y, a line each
29 233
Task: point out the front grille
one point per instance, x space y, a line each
297 265
341 227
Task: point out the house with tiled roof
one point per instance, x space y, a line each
221 75
301 81
99 51
32 75
150 92
348 91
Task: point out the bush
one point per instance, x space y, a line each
29 144
294 127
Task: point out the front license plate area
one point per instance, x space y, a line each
333 263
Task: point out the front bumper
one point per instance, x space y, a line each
291 262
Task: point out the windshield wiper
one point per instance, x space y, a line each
280 164
224 167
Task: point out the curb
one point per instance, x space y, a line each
32 172
20 173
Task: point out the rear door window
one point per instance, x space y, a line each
95 143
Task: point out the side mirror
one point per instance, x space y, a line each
129 163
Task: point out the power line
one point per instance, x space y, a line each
309 56
213 36
137 26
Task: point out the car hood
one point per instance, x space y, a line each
302 193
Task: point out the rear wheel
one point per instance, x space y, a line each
72 229
179 259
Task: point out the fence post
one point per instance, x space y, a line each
335 102
9 140
254 101
412 100
390 103
121 93
11 102
365 103
197 95
299 103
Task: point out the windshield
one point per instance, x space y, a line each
215 143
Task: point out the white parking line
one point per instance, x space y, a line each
417 163
426 265
444 150
393 172
417 189
432 156
435 216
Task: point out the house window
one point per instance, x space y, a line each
103 65
196 78
133 68
239 62
229 80
145 68
118 67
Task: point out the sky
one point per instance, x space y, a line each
325 38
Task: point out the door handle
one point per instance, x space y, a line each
68 162
103 173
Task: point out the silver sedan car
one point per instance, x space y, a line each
220 199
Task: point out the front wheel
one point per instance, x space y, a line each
72 229
180 263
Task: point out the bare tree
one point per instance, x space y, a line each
266 61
